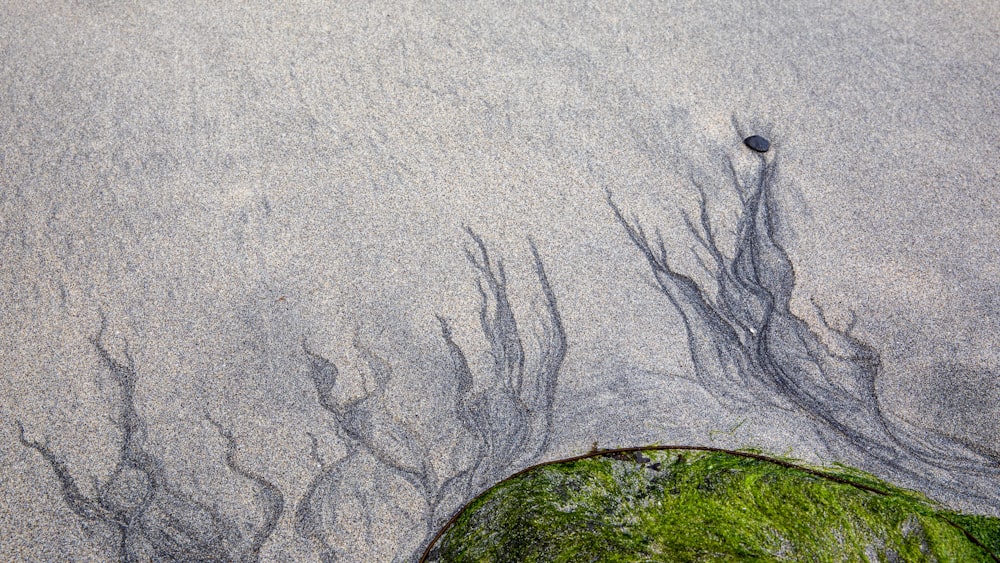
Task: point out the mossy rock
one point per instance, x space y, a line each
706 505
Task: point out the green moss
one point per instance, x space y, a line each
986 530
684 505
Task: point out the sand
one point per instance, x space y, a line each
231 235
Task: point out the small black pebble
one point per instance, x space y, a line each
757 143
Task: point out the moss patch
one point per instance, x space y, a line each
694 505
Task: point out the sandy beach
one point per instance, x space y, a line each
293 283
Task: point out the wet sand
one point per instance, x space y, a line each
241 294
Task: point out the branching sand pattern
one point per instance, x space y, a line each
509 416
751 351
153 520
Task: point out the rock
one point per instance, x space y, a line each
757 143
707 504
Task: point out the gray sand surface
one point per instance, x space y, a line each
240 313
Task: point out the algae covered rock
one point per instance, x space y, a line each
706 505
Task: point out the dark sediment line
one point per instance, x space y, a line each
509 415
152 519
750 350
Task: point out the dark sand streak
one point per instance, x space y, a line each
509 417
751 351
152 519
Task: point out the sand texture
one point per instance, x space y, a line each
295 281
